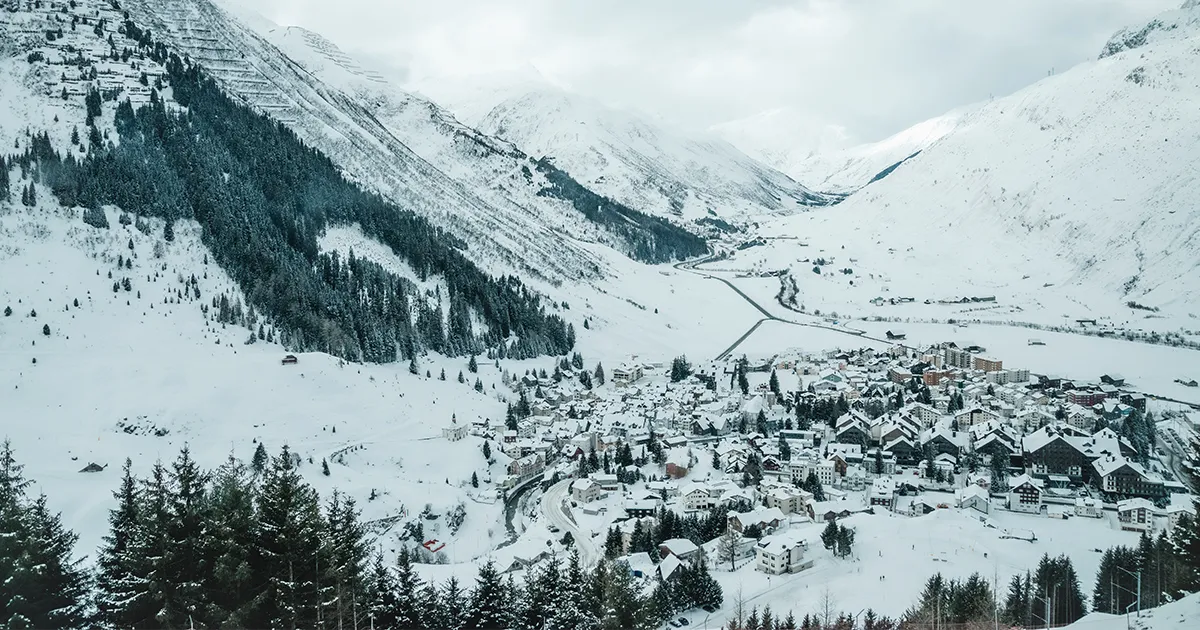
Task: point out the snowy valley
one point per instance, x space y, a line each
482 356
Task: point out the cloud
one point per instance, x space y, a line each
873 67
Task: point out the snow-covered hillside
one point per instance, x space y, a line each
408 149
646 165
141 371
851 168
1070 198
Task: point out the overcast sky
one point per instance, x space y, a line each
873 67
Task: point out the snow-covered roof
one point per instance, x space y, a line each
680 546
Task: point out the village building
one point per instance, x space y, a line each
781 554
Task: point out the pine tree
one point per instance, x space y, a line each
623 602
598 377
1185 546
324 467
489 604
43 587
473 365
487 450
288 554
259 462
48 588
118 587
773 384
231 544
382 603
345 547
442 375
454 606
474 480
742 381
461 378
409 594
185 562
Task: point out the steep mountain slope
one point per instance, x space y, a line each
468 184
849 169
1073 196
645 165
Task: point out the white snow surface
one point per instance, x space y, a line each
645 165
1072 196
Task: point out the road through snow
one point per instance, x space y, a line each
553 502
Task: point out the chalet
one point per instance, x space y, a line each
681 548
1049 451
974 415
1025 494
290 360
944 440
779 554
641 509
974 497
605 481
1122 477
586 490
903 450
1176 512
883 493
895 334
768 519
627 374
853 428
788 499
1135 515
1088 507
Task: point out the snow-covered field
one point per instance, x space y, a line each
895 554
121 366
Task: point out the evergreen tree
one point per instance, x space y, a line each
233 530
382 603
454 606
472 365
599 375
742 382
622 600
43 586
773 384
680 369
185 561
1185 547
344 545
259 462
411 599
118 587
442 375
289 554
489 602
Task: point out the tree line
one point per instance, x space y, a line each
254 546
263 198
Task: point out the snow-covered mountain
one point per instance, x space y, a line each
848 169
643 164
415 153
1074 195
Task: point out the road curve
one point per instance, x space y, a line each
553 508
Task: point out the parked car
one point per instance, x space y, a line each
682 621
709 608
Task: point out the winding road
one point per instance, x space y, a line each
555 511
690 266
